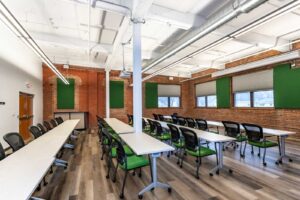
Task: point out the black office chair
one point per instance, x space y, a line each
193 148
130 120
35 131
155 116
14 140
42 128
160 133
47 125
202 124
176 140
181 121
190 122
2 152
232 129
59 120
161 117
256 138
146 127
174 119
152 127
53 123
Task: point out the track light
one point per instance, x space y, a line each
12 23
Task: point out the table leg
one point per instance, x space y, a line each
282 149
154 183
220 157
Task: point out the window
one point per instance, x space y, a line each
257 99
212 101
242 99
165 102
263 98
207 101
201 102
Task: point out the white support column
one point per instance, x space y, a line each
107 93
137 77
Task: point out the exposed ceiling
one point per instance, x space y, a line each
71 31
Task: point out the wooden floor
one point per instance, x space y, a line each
85 177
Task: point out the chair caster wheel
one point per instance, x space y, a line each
258 154
197 177
277 163
211 174
114 180
169 190
107 176
45 183
133 174
180 166
252 152
280 161
230 171
177 163
265 164
218 172
140 175
121 196
140 196
290 160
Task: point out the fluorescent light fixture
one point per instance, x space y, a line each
267 18
260 63
12 23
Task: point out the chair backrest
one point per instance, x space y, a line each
152 126
190 139
190 122
59 120
14 140
155 116
121 155
42 128
161 117
175 134
130 120
53 123
253 132
202 124
181 121
232 129
47 125
174 119
158 128
175 114
35 131
2 152
144 124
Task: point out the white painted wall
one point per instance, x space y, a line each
18 66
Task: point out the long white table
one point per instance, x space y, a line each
22 171
207 136
119 126
143 144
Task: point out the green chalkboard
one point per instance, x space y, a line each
116 94
65 94
151 95
223 92
286 86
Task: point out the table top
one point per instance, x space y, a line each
22 171
119 126
143 144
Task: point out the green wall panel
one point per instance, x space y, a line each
286 87
65 94
223 92
116 94
151 95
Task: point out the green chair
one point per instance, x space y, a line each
160 133
192 146
256 138
146 127
232 129
176 141
128 163
151 127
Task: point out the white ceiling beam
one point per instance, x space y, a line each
178 19
73 43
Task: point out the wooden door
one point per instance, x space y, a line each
25 114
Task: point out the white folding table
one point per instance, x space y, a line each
143 144
119 126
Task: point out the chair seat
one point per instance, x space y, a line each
164 136
241 138
134 162
263 144
127 150
202 152
179 144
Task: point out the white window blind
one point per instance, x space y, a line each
204 89
255 81
169 90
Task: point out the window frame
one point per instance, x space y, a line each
169 101
206 104
252 99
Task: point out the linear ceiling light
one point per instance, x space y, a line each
12 23
264 62
267 18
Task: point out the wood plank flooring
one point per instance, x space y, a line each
85 178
